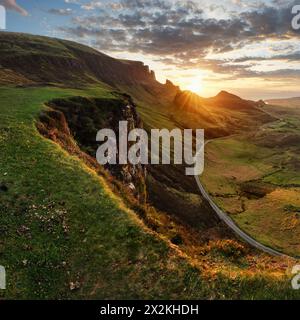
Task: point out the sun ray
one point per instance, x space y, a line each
196 85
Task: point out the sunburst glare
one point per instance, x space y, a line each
196 85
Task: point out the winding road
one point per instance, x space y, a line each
231 224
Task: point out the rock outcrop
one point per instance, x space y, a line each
73 123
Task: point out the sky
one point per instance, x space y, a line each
246 47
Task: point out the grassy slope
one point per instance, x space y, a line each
60 224
63 226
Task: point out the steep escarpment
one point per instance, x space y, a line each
74 123
40 60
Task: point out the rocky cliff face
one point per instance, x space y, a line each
132 175
43 60
74 123
113 71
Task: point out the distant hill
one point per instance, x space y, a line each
291 102
221 115
229 100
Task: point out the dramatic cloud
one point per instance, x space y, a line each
92 5
290 57
61 12
12 5
186 33
159 27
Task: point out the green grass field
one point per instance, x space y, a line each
255 178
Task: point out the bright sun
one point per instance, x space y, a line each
195 85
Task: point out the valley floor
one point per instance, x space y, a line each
255 178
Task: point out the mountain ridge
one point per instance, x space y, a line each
92 64
28 60
40 54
